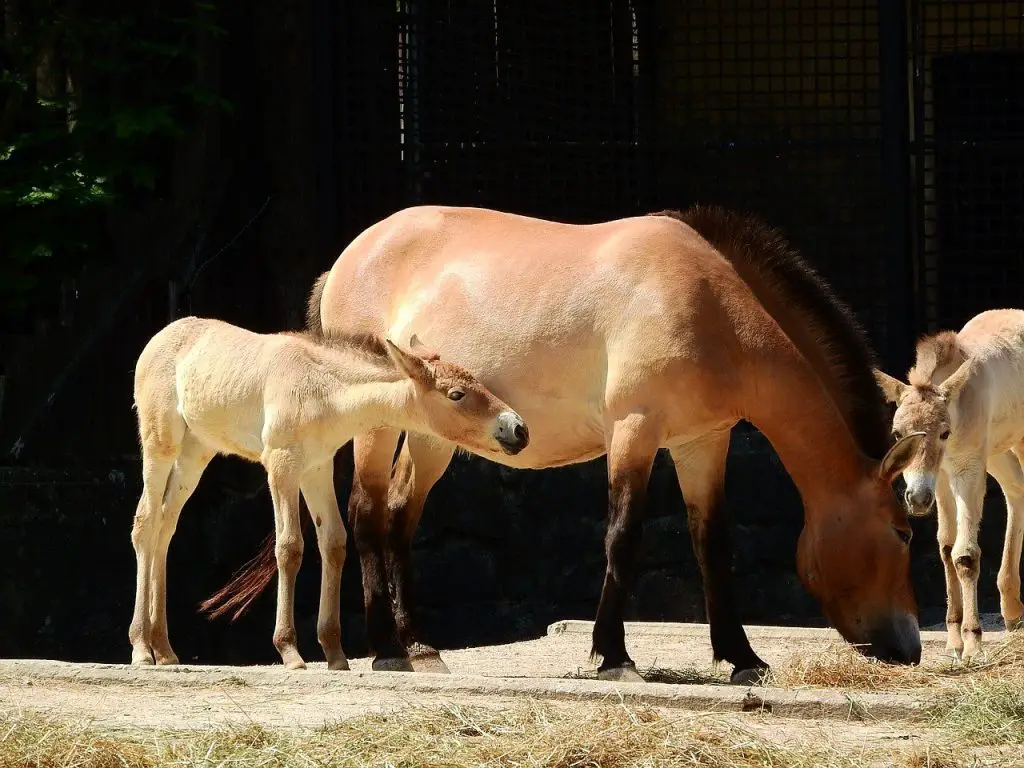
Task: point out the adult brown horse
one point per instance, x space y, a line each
621 338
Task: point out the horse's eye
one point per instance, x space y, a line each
905 536
944 435
456 394
896 435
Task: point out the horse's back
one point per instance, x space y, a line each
558 318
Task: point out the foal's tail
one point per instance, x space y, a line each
252 578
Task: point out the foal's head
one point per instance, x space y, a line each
929 410
854 556
456 406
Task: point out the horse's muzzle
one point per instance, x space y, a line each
512 434
896 642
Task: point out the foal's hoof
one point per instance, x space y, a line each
394 664
168 660
624 674
338 665
749 676
426 659
142 659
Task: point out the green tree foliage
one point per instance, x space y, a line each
93 96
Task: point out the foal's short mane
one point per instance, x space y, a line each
365 344
820 324
934 352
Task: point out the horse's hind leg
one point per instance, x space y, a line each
318 490
283 471
1007 471
632 446
184 477
161 438
700 469
420 465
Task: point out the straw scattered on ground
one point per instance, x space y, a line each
840 666
529 734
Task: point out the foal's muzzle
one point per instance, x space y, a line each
511 433
919 501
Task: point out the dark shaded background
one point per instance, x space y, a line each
887 141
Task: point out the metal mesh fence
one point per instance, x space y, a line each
969 147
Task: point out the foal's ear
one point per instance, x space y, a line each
422 351
892 388
899 456
411 365
951 387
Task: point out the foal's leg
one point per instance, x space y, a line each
969 490
1006 469
700 469
283 472
161 440
188 469
422 462
318 489
373 454
945 508
632 445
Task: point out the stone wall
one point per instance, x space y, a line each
499 555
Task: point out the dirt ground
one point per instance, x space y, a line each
121 697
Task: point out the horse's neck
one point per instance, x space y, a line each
793 410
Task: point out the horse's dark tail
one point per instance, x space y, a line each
313 323
251 579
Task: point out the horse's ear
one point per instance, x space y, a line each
899 456
422 351
951 387
412 366
892 388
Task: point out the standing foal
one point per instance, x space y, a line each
966 393
204 387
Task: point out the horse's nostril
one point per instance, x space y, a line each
521 433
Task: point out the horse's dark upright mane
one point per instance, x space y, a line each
764 259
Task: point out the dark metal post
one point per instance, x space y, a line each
326 98
902 300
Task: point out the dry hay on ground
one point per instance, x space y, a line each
840 666
528 734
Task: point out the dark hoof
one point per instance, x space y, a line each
623 674
749 676
395 664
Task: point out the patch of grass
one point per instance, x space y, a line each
529 734
982 713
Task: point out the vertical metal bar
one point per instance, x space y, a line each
901 298
917 50
324 83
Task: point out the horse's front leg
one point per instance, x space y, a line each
420 465
318 490
945 513
632 445
700 469
283 471
373 454
969 490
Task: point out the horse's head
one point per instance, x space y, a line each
457 406
929 411
854 557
